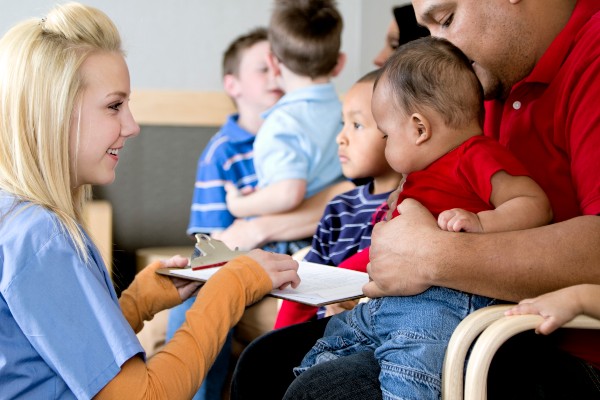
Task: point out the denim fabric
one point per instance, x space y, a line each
407 335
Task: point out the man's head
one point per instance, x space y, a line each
426 88
504 39
306 35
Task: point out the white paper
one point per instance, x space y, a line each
320 284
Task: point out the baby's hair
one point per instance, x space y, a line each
306 35
232 57
431 73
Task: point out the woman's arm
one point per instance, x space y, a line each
177 371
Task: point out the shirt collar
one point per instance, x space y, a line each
236 133
323 92
552 60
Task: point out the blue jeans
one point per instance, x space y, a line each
408 337
213 384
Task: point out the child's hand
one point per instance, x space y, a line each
332 309
557 308
457 220
281 268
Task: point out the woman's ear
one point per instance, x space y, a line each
231 85
421 127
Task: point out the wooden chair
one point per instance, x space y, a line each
99 220
489 329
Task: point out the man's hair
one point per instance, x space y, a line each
232 57
431 73
306 35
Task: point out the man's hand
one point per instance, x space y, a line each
402 252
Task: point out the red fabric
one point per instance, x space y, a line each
462 178
551 122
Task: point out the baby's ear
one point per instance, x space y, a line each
421 128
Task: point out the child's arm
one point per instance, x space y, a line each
519 204
561 306
278 197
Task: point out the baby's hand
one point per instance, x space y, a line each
457 220
281 268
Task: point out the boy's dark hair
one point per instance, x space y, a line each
233 55
432 73
306 35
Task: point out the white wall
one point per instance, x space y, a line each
177 44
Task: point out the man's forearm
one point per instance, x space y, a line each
520 264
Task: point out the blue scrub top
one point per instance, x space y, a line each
62 332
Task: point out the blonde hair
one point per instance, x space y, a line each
40 87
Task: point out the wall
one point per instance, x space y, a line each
174 53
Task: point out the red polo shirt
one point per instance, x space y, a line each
551 122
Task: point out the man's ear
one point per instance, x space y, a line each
421 128
231 85
339 66
273 64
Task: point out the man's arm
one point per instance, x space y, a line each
293 225
410 253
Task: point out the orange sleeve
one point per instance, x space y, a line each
148 294
177 371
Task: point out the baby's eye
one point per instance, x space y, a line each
357 125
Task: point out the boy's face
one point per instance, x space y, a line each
255 87
361 144
399 130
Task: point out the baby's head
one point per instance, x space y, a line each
306 36
361 144
246 74
427 100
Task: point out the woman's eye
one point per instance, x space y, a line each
394 44
116 106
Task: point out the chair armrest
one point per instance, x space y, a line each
494 336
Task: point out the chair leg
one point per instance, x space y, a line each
460 342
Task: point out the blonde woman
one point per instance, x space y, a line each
64 89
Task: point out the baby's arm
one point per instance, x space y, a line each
519 204
561 306
275 198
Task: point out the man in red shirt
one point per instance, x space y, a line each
539 64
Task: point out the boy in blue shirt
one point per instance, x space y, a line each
295 154
228 158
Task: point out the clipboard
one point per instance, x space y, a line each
320 284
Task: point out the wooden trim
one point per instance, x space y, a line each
180 108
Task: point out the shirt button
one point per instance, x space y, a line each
517 105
